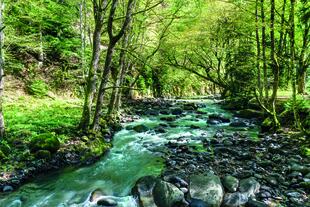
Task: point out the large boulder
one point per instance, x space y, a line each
249 186
46 141
207 188
140 128
167 195
230 183
235 199
143 191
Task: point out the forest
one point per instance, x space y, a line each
154 103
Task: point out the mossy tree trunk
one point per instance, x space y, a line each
2 126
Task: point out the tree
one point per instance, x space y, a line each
2 125
113 40
99 9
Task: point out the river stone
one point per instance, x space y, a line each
7 189
176 111
230 183
238 123
166 195
95 195
249 186
143 191
254 203
168 118
235 199
197 203
220 117
140 128
106 202
207 188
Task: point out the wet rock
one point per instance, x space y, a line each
160 130
106 202
230 183
190 106
249 186
7 189
238 123
254 203
143 191
219 117
235 199
197 203
167 195
213 121
194 126
140 128
176 111
168 118
207 188
95 195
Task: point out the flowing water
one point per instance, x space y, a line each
131 157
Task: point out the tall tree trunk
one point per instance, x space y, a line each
2 126
99 12
264 51
303 64
118 83
107 67
275 66
292 61
260 87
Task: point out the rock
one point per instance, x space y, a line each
106 202
176 111
194 126
249 186
207 188
250 113
219 117
238 123
7 189
190 106
254 203
167 195
43 154
213 121
299 168
46 141
160 130
197 203
235 199
230 183
140 128
143 191
168 118
308 176
95 195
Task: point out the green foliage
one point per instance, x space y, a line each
37 88
27 117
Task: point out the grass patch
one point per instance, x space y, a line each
27 116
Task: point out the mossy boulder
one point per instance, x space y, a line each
46 141
43 154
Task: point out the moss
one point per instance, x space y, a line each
46 141
43 154
95 148
5 148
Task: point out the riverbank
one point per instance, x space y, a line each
42 137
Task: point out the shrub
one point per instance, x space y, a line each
37 88
46 141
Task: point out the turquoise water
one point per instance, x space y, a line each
131 157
